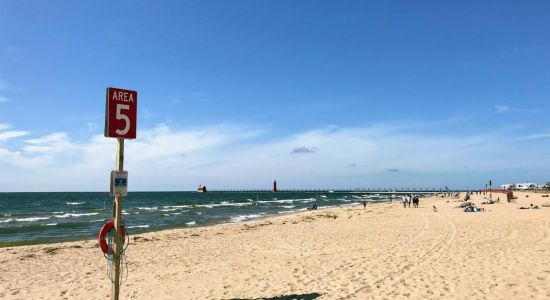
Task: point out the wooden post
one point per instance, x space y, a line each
115 288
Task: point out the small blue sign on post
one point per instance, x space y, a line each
119 183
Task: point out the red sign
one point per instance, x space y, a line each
120 113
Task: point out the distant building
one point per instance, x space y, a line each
526 186
507 186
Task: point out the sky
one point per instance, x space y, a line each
314 94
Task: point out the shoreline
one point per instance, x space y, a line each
263 217
381 251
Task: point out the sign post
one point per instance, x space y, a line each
120 123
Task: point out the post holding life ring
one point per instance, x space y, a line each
104 232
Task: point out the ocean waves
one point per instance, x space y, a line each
44 218
69 216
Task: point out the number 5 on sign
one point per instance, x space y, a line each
120 113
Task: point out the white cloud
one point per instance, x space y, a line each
6 135
58 142
3 99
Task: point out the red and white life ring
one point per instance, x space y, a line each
104 232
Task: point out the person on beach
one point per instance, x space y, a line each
404 199
409 200
415 201
364 204
434 209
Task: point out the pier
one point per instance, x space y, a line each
354 190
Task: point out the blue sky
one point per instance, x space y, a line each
311 93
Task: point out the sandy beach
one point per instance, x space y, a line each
383 251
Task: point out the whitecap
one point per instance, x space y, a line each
245 217
6 221
169 209
191 223
148 208
68 215
51 224
32 219
278 201
176 206
287 206
74 203
138 226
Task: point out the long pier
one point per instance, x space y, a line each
355 190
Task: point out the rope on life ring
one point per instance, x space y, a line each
104 233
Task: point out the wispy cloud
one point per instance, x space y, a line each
58 142
501 108
147 114
508 109
6 135
5 86
91 126
3 99
534 136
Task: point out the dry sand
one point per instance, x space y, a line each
382 252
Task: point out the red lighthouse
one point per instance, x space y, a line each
274 186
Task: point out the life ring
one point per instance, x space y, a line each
104 232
